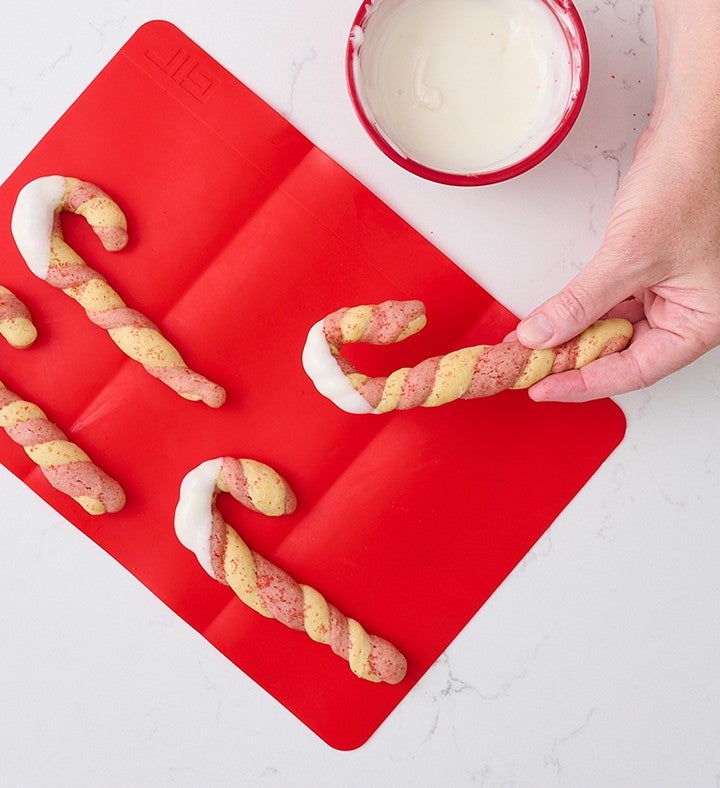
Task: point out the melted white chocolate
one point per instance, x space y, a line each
32 220
324 371
193 515
463 86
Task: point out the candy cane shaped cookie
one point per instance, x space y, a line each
15 322
260 584
38 235
464 374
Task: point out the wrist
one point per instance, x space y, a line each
688 65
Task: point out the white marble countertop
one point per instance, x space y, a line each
594 664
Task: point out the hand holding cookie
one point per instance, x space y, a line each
468 373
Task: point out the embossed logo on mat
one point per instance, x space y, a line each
186 71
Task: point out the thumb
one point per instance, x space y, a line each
598 288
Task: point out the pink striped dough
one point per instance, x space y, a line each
15 322
260 584
63 463
38 234
468 373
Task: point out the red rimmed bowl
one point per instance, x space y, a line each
409 61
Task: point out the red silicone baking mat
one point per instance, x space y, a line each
243 234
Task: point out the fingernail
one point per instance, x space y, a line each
535 330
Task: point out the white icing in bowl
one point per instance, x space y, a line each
463 87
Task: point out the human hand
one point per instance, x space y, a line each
659 262
658 266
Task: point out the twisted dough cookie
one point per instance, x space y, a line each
65 465
261 585
38 234
468 373
15 322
